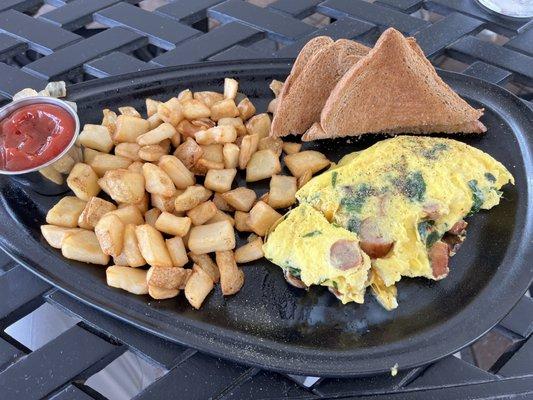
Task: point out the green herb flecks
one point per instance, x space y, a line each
428 233
432 238
294 271
478 198
335 285
334 176
312 234
354 225
414 186
355 198
491 178
433 153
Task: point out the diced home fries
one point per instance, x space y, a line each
161 194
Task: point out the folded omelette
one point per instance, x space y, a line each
401 202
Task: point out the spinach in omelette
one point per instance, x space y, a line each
404 200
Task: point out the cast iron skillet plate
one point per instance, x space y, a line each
272 325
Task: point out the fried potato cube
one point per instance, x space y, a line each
123 186
189 152
272 106
213 237
83 246
65 164
208 98
248 148
163 203
151 216
128 128
224 109
96 137
110 234
217 134
141 205
213 152
221 203
176 249
185 94
276 87
154 121
205 262
203 165
151 106
89 154
291 147
198 287
157 181
128 150
304 178
194 109
236 123
241 223
231 277
152 153
177 171
129 279
241 198
271 143
55 235
230 153
52 174
173 225
262 165
170 111
109 120
102 162
282 191
66 212
83 181
191 197
159 293
166 277
130 214
128 110
230 88
251 251
136 166
95 209
187 129
246 109
262 217
175 140
156 135
221 216
202 213
220 180
152 246
259 125
311 160
130 250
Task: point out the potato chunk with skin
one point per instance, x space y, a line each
66 212
130 250
152 246
198 287
128 128
259 125
83 181
202 213
246 109
176 170
166 277
311 160
262 217
83 246
123 186
241 198
189 152
224 109
128 279
96 137
213 237
248 148
176 249
220 180
205 262
230 154
173 225
95 209
191 197
157 181
282 192
271 143
231 277
110 234
262 165
217 134
55 235
251 251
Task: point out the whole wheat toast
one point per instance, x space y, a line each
394 89
305 95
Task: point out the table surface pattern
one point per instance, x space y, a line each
79 40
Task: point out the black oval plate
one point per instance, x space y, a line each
272 325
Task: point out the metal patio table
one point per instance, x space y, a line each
79 40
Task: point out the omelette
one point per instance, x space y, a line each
405 200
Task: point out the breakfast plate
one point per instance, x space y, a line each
272 325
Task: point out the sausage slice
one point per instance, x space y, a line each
345 254
439 257
373 242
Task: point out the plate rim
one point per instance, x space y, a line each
320 363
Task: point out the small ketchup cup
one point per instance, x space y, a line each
31 177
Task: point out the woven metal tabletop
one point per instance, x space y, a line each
79 40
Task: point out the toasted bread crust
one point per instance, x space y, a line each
394 89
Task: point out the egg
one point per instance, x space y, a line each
405 200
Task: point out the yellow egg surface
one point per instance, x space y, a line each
409 190
311 249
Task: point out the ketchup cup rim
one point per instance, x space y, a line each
10 108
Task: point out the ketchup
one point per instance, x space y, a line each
34 135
